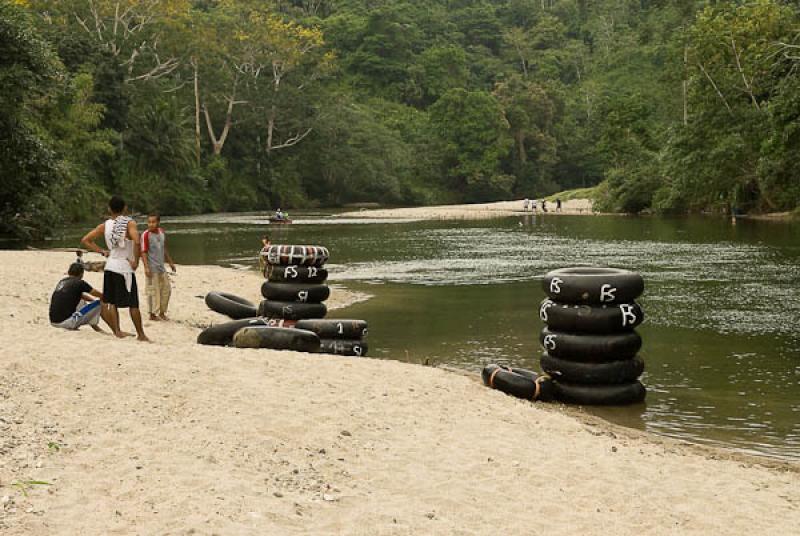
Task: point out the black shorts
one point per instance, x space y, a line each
115 292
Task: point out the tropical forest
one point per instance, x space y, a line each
195 106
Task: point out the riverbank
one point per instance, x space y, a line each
773 216
478 211
176 438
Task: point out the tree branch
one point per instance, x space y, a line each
747 84
162 69
292 141
721 96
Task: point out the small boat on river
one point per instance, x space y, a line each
279 221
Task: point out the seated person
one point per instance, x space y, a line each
71 305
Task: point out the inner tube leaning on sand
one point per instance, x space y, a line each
590 319
351 347
295 255
520 383
222 334
231 305
590 348
600 395
295 292
280 273
592 285
335 328
622 371
298 340
292 310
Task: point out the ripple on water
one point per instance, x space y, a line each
724 286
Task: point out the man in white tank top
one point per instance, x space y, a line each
119 278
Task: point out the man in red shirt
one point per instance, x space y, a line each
154 252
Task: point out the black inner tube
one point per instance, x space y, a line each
222 334
282 273
600 395
592 285
520 383
351 347
295 292
231 305
612 372
335 328
590 348
591 319
291 310
276 339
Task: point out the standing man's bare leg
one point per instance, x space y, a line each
113 316
105 314
136 316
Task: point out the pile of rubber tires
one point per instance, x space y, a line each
295 288
590 340
338 336
291 316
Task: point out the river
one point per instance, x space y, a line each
722 302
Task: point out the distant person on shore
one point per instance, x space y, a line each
544 205
262 255
154 253
558 204
72 304
525 205
534 202
119 279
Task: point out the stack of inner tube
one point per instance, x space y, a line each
339 336
295 287
291 315
590 342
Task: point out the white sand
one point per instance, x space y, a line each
476 211
175 438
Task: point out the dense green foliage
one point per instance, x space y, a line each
186 106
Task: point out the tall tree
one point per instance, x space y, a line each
476 138
29 167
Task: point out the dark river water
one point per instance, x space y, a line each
722 303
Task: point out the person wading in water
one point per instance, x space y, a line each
119 278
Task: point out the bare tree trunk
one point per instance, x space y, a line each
523 157
685 85
714 85
215 143
588 100
747 85
196 112
270 128
277 74
522 61
219 143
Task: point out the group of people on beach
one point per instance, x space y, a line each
532 204
75 303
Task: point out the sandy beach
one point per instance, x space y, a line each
476 211
100 436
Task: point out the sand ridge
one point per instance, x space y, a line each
475 211
176 438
